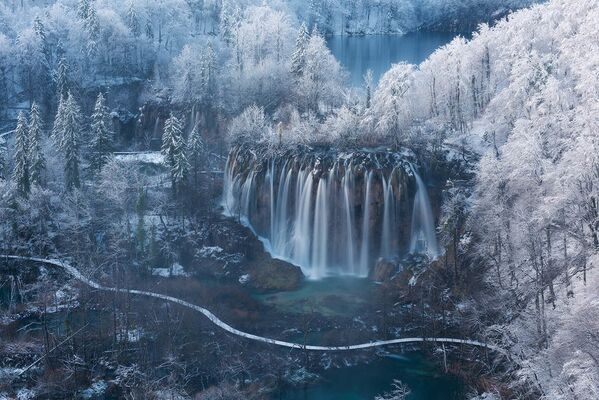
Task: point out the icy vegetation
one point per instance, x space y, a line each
116 122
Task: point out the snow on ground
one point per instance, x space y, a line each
96 390
175 270
243 279
25 394
150 157
131 336
210 251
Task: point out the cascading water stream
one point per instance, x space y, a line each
424 238
331 215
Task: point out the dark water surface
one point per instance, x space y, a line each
378 52
365 382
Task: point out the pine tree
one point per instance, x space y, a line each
298 58
101 142
58 128
369 83
62 78
149 30
40 32
71 127
21 168
3 155
37 161
195 152
133 20
227 23
83 9
172 129
173 149
181 166
208 75
93 32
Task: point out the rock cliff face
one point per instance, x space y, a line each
331 213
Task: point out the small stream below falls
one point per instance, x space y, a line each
366 381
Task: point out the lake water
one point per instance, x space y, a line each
365 382
378 52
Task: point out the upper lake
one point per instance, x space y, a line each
357 54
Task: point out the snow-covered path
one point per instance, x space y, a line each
82 278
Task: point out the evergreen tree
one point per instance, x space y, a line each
369 83
195 152
172 129
3 155
21 168
101 142
83 9
298 58
180 168
4 93
40 32
149 30
71 127
93 32
62 78
58 128
133 20
208 78
227 23
37 161
173 149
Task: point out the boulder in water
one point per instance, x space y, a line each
272 275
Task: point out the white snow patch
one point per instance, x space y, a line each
153 157
175 270
131 336
243 279
25 394
95 390
210 251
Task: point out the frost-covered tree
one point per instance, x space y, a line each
37 160
196 77
133 20
62 78
3 159
71 142
83 8
101 136
34 72
250 126
92 26
399 391
368 84
391 104
298 58
173 150
20 174
59 118
180 168
195 152
321 84
229 21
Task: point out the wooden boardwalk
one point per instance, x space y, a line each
223 325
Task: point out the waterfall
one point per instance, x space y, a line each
331 213
365 250
424 238
389 219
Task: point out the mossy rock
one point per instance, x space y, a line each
272 275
